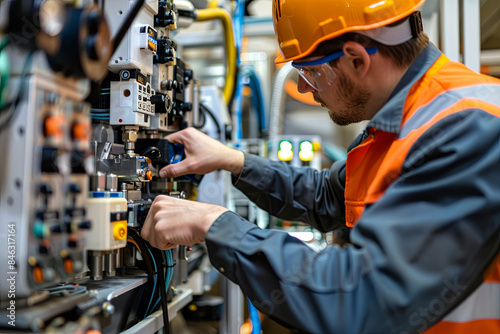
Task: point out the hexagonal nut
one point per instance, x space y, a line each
129 136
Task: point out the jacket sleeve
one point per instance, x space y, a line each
292 193
414 252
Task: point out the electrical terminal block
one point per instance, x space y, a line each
132 53
148 39
130 103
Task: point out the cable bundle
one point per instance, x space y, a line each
159 265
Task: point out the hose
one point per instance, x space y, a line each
224 17
278 101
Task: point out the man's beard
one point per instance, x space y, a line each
353 100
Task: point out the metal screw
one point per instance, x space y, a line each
108 309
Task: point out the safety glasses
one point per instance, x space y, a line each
318 73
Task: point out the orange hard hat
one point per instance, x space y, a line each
300 26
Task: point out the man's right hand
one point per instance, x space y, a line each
203 155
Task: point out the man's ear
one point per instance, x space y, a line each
358 59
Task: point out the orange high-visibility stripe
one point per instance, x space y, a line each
483 326
425 91
416 92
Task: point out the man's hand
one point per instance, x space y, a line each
173 221
203 155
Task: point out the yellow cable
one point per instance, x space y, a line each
213 4
221 14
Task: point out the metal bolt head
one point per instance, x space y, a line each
108 308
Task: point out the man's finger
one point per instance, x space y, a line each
174 170
175 137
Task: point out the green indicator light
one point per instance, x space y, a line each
306 145
285 152
285 145
306 152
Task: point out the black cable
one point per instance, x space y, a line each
143 248
203 121
148 191
212 116
134 234
151 152
163 292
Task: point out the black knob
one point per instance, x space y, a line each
188 75
165 15
157 99
186 106
68 227
169 17
46 189
85 225
75 188
49 162
164 52
43 250
171 84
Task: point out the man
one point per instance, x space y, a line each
420 188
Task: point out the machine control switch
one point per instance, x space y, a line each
41 230
120 230
38 276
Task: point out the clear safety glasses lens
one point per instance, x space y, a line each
319 77
318 73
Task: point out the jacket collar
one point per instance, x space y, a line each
389 118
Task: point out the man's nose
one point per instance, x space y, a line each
303 87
